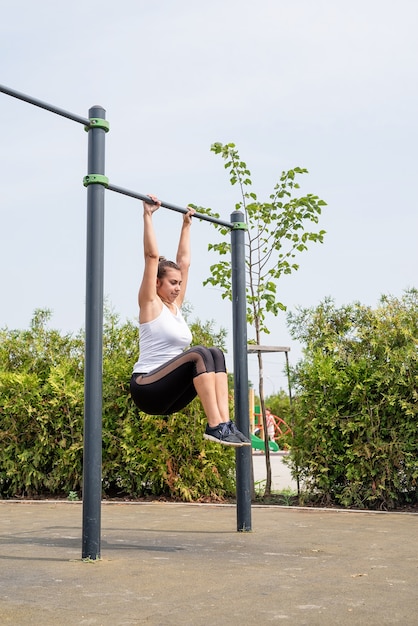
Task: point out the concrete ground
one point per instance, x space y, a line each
179 564
280 473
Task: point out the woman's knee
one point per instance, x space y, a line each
203 360
207 360
218 359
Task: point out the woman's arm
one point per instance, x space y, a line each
183 256
147 295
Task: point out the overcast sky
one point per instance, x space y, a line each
329 86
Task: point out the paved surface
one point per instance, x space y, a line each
178 564
281 477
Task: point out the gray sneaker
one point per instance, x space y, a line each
222 434
234 430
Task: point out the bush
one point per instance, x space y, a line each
355 428
41 421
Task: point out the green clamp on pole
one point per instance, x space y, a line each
239 226
95 179
98 122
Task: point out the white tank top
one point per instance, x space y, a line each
161 339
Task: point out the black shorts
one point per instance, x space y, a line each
170 388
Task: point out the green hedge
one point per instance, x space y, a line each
41 421
356 413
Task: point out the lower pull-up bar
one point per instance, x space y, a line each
169 205
95 262
239 321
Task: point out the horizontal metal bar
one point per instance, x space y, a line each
44 105
169 205
256 348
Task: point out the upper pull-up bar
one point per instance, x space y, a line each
44 105
96 183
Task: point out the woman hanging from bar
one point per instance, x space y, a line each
169 374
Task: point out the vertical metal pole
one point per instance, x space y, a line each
92 459
242 410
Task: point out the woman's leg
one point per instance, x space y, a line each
222 395
171 387
206 388
212 388
165 394
221 383
165 386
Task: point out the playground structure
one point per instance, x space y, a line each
259 444
281 428
97 183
